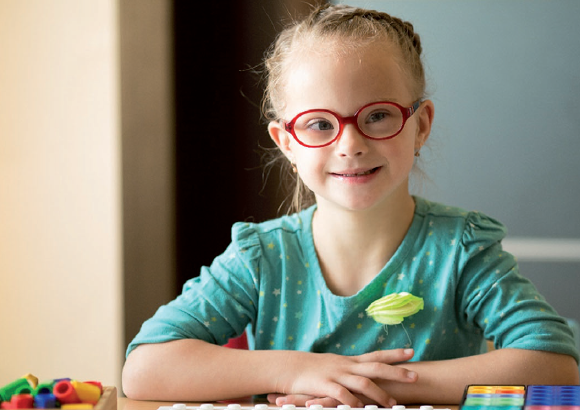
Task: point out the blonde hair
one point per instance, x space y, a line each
353 27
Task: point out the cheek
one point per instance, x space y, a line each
308 162
408 140
311 165
303 156
399 149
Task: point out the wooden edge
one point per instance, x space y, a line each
108 400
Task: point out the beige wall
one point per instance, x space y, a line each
60 194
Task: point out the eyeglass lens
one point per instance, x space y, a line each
375 121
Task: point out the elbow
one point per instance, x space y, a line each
563 370
135 382
537 367
130 382
574 372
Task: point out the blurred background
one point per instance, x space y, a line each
131 139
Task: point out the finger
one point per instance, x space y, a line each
369 389
341 393
272 397
326 392
377 370
387 356
325 402
296 399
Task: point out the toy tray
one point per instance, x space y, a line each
108 400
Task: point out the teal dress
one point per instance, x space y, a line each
269 283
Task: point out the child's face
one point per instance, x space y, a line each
354 173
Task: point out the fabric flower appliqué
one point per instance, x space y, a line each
394 308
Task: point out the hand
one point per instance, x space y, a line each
330 379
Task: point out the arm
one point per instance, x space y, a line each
193 370
444 381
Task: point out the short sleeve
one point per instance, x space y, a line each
216 305
494 297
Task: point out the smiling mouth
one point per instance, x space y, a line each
359 174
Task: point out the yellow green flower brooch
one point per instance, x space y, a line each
393 308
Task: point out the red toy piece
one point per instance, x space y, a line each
19 401
65 392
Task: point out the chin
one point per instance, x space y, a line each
356 205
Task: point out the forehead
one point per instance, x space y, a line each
342 77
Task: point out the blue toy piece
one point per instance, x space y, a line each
45 401
553 396
44 387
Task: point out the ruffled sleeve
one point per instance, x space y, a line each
495 298
216 305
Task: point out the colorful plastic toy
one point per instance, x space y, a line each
77 406
18 386
539 397
87 392
532 397
32 379
44 387
19 401
26 393
45 401
65 392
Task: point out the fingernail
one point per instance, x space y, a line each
392 402
411 375
408 351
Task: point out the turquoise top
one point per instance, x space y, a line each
269 282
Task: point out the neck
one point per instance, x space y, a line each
353 246
374 225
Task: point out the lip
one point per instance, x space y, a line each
356 175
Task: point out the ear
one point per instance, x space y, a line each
426 113
281 137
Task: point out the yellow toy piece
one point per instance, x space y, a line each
77 406
32 379
87 393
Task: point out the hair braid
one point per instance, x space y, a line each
343 14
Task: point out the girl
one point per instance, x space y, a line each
346 99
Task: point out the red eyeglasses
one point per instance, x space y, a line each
377 121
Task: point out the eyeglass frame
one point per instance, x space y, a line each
407 112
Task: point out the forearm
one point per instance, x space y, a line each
444 381
193 370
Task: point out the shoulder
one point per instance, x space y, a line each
288 230
468 227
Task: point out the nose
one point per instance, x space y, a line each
351 142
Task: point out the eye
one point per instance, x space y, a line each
320 125
378 115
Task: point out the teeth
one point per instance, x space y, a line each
358 175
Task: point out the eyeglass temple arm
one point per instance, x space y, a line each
411 110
